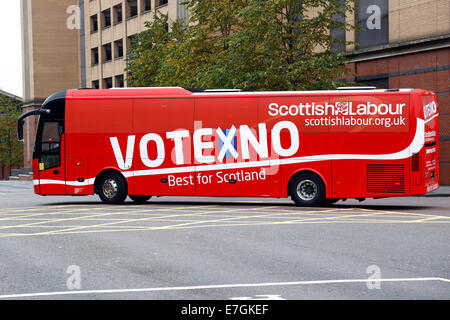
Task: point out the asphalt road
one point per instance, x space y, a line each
221 248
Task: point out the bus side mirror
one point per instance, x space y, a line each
27 114
20 129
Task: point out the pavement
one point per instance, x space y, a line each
199 248
443 191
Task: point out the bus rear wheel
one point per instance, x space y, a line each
112 188
140 199
307 189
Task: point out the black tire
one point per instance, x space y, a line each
307 189
112 188
140 199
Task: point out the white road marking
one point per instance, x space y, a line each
219 286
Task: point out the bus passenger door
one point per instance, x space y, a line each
79 181
51 165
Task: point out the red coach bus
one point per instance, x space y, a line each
316 147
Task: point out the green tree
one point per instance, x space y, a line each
11 150
247 44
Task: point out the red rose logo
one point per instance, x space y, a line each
342 107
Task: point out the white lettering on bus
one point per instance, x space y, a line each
276 138
143 147
339 108
126 163
199 145
247 138
177 137
429 110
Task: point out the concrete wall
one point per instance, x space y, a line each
52 60
413 19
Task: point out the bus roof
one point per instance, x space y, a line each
134 92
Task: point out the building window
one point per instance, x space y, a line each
130 42
106 18
94 23
94 56
118 49
339 36
160 3
146 5
108 83
107 53
96 84
132 8
379 83
119 81
118 14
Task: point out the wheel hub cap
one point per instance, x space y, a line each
306 190
110 188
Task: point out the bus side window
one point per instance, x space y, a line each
51 144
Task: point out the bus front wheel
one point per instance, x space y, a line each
112 188
307 189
